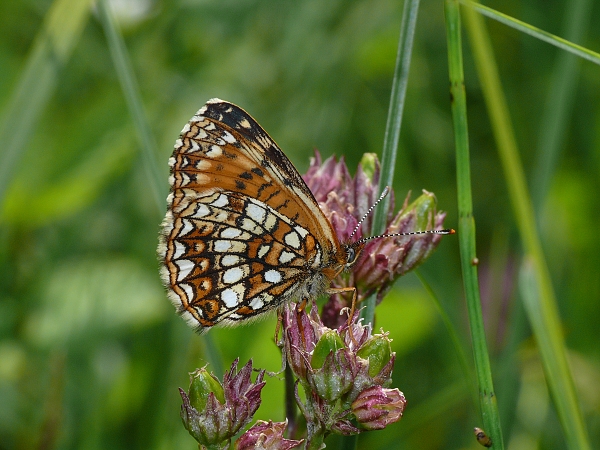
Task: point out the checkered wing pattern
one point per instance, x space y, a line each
243 233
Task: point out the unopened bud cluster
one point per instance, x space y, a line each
343 373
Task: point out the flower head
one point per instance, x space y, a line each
213 412
334 367
345 200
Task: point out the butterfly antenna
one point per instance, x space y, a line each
385 192
410 233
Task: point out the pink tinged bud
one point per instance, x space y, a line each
214 413
385 259
209 427
345 427
242 396
329 176
266 436
377 407
300 338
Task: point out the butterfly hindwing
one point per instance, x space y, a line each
243 233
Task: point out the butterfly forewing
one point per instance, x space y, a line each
243 233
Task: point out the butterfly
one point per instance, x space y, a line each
243 234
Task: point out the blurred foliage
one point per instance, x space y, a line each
91 352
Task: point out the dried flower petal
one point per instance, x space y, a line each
266 436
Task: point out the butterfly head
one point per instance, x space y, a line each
352 252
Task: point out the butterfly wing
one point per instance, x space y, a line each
243 233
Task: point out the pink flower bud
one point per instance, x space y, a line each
377 407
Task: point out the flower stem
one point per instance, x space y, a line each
290 403
466 226
392 129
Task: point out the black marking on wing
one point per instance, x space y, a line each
238 119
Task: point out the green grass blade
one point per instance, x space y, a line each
535 32
546 310
132 95
546 326
561 98
466 227
50 52
394 121
452 331
390 142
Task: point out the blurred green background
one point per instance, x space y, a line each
91 351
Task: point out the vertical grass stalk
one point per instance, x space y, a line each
466 227
134 101
394 121
131 91
540 302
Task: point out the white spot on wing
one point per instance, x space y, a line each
272 276
179 250
286 257
270 222
195 146
187 227
189 292
255 212
257 303
203 164
221 246
185 267
292 239
301 230
202 210
263 250
233 275
238 247
230 298
250 225
230 260
230 233
228 137
317 262
202 178
220 201
214 151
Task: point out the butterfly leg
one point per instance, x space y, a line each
278 327
352 289
300 307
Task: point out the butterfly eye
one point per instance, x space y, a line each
351 255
